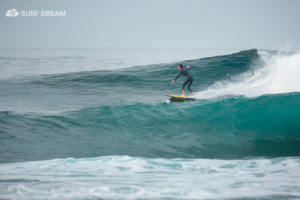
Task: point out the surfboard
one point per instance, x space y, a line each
180 97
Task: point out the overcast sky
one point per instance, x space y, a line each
269 24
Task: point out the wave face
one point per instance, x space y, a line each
248 106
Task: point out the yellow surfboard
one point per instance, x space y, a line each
181 97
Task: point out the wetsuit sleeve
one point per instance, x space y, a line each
177 76
188 68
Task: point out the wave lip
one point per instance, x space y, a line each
270 72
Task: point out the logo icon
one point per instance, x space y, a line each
12 13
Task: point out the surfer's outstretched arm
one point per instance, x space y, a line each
188 67
177 76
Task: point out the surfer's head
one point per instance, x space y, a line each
180 67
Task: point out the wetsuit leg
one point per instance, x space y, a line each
185 82
189 86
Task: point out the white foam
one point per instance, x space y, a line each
279 74
131 178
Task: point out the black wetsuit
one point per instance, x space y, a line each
189 79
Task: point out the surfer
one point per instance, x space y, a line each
189 79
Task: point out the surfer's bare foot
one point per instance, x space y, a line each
183 93
193 93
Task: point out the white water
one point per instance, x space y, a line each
130 178
279 74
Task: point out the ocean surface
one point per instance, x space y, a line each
95 124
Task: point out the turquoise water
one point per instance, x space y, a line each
79 132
